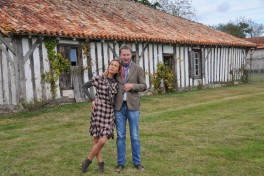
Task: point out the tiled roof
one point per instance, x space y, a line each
258 40
106 19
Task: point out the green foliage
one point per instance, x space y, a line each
33 105
165 74
244 78
236 30
241 28
58 65
147 3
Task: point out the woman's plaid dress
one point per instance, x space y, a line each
102 118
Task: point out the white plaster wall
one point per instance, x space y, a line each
105 56
85 72
1 80
146 66
5 81
178 66
186 67
99 55
13 81
28 78
168 49
140 52
182 66
46 69
92 48
37 72
151 63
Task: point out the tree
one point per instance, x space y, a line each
147 3
254 29
241 28
181 8
236 30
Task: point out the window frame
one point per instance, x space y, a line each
68 55
196 64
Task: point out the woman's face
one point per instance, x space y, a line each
113 67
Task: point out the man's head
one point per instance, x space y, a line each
125 54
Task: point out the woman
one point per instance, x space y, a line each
102 118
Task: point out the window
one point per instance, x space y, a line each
196 65
69 52
168 60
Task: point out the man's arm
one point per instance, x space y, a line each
141 82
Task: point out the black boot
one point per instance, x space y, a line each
101 167
85 164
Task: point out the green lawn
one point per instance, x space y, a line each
205 132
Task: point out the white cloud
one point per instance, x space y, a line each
223 7
211 12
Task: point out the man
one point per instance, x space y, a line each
130 82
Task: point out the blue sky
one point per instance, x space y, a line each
212 12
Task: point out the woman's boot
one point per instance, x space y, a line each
101 167
85 164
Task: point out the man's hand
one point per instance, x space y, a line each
128 87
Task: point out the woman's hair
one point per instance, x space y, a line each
119 68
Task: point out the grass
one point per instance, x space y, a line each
205 132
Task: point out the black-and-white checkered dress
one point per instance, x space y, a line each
102 117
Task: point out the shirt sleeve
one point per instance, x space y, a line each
85 88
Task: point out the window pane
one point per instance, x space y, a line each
73 55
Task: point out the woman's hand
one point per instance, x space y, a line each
94 104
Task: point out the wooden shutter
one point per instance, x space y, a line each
191 63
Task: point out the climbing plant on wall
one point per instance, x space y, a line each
58 65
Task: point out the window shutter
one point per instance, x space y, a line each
191 62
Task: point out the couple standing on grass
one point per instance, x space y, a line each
116 101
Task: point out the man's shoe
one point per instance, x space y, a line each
139 167
101 167
119 168
85 164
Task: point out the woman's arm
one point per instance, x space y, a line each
85 88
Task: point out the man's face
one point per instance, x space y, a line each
125 56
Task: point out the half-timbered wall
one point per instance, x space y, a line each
219 63
255 61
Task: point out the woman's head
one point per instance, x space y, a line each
114 68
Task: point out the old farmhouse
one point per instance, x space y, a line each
89 33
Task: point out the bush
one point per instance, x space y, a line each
164 75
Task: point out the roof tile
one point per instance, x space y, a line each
106 19
258 40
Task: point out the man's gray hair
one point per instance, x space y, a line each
125 46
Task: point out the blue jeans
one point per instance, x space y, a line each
133 119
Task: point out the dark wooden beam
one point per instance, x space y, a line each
113 51
6 43
8 56
31 50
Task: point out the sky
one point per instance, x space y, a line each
213 12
